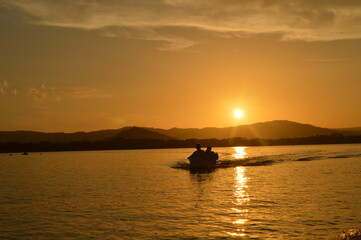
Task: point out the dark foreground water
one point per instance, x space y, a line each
291 192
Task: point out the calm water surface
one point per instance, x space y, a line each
288 192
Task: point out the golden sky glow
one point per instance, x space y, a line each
89 65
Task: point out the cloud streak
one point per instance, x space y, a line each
307 20
45 93
7 88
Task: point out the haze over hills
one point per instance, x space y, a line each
267 130
140 133
350 131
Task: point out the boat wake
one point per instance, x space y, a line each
227 161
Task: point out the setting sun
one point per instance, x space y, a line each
238 113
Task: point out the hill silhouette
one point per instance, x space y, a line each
350 131
59 137
140 133
270 130
266 130
259 134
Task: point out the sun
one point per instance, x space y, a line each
238 113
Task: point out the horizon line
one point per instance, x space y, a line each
130 126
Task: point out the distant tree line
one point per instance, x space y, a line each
120 143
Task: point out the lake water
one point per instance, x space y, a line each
283 192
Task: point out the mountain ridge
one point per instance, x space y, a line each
275 129
271 129
140 133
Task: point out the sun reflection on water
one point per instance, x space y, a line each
240 187
240 153
241 198
239 233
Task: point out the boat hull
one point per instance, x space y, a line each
200 163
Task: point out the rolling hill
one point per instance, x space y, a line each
268 130
140 133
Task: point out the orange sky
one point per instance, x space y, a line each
89 65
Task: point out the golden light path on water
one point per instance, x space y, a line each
240 153
240 193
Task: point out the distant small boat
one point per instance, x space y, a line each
25 153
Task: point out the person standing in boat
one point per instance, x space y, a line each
210 155
199 153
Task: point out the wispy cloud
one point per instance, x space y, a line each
307 20
85 92
14 91
37 95
45 93
7 88
173 42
